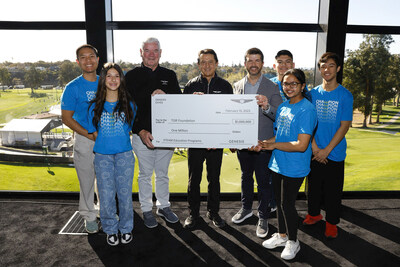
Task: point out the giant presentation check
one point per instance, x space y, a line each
204 121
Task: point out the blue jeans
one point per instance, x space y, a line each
114 177
250 163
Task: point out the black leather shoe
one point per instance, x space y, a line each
190 221
216 219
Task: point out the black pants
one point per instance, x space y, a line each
325 187
286 190
256 163
213 158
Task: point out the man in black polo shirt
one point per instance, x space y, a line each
206 83
143 82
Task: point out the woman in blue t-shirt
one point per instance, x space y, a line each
290 160
111 116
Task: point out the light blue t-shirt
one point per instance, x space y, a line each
278 82
292 120
332 108
113 133
76 97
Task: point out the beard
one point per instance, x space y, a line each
254 70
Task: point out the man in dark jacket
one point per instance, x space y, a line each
143 82
207 82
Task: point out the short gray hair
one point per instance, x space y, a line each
150 41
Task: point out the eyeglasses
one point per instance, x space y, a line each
291 85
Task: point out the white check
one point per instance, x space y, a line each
204 121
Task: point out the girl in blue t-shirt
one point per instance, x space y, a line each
290 160
111 116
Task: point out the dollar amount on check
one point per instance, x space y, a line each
204 121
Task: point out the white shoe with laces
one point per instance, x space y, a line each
290 250
275 241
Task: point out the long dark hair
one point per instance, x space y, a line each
301 77
122 106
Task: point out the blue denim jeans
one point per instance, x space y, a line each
114 177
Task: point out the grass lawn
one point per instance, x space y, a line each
373 161
17 103
388 113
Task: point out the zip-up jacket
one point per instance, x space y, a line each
217 85
141 83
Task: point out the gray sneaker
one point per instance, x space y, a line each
262 228
242 215
149 219
168 215
91 227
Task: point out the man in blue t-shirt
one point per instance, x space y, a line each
74 109
334 105
283 62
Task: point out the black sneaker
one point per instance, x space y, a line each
190 221
217 221
112 240
126 238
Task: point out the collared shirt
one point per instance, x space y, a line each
251 89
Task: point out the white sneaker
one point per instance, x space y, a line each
112 240
275 241
126 238
290 250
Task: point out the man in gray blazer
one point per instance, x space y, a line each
268 98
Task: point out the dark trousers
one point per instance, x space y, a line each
325 187
213 158
250 163
286 190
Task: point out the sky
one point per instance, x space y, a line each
182 46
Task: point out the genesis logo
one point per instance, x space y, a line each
242 101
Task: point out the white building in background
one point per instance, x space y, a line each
26 132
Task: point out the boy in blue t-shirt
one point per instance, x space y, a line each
74 108
334 105
283 62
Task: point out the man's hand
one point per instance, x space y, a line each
255 148
67 119
146 138
158 92
318 154
262 101
266 144
321 155
91 136
198 93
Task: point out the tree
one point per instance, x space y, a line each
33 78
394 70
68 71
5 77
366 72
